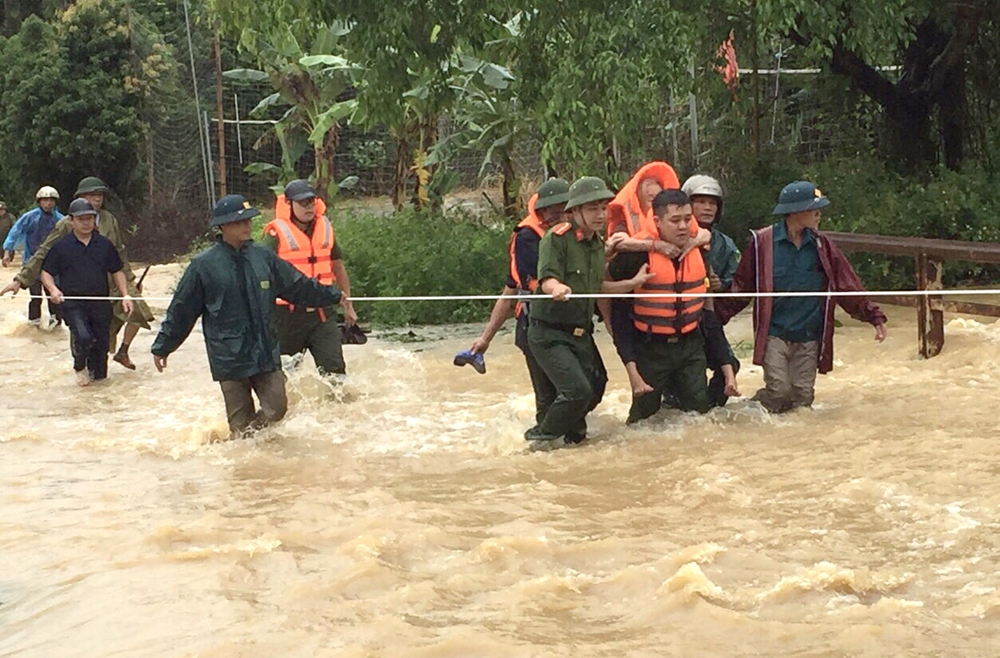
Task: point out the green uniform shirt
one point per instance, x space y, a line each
578 262
797 269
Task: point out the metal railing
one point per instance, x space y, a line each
929 258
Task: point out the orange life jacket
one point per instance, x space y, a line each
311 256
625 209
533 223
671 315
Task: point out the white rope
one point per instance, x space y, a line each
665 295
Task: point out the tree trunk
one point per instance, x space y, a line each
323 162
952 103
427 128
932 78
509 185
404 158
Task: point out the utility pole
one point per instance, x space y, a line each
197 105
220 125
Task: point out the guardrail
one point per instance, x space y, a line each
929 258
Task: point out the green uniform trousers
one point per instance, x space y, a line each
574 368
545 390
300 330
672 368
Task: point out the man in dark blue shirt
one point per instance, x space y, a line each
82 261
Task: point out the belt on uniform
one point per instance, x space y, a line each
573 329
667 338
293 308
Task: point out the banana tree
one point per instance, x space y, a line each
314 82
490 121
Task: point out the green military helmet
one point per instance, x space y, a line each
91 185
587 190
552 192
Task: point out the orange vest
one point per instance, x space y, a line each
676 315
311 256
625 208
534 223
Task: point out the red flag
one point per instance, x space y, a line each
731 71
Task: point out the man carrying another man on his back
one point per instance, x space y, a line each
663 341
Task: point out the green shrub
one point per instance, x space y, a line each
866 197
417 253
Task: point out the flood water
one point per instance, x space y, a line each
402 515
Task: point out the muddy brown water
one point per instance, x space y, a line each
401 515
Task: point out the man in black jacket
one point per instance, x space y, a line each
232 286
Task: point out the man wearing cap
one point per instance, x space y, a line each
233 286
93 190
706 197
6 222
571 260
793 336
83 261
545 209
35 229
721 259
306 239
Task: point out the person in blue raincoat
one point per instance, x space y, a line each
30 230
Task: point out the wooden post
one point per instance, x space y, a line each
220 125
693 109
930 322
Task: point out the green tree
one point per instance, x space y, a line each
74 93
924 102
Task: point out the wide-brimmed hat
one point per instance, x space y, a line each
587 190
232 208
799 196
552 192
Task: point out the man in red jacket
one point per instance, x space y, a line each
793 336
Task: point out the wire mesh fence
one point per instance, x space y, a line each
704 134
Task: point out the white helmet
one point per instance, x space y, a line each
46 192
702 185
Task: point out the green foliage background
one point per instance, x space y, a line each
420 253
